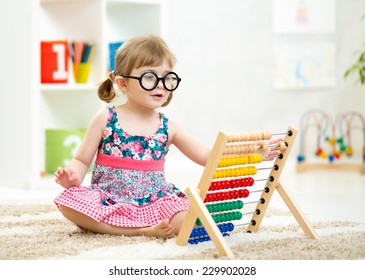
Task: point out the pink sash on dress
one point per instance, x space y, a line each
126 163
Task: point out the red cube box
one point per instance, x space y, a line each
54 61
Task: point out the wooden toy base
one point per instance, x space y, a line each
305 166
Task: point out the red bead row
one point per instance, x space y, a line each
230 184
220 196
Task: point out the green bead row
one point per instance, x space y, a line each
225 206
224 217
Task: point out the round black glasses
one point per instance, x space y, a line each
149 80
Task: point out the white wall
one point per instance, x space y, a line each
224 51
15 100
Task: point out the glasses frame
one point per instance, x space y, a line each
158 79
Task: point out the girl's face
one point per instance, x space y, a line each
148 99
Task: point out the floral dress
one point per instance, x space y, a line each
128 184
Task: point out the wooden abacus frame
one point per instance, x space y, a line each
197 195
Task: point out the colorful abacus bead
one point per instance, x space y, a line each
255 158
200 234
300 158
323 155
281 145
235 172
225 217
331 140
231 184
226 227
224 206
349 151
337 154
235 160
194 241
219 196
319 151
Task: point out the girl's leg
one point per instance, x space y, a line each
177 220
163 229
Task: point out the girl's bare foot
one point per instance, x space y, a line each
163 229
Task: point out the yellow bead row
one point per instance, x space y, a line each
235 172
240 160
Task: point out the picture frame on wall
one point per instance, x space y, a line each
304 65
303 16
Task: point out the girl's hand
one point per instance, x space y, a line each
272 148
67 178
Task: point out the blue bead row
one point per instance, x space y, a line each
200 234
197 240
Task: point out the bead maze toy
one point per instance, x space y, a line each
229 187
333 141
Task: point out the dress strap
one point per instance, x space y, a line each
127 163
112 116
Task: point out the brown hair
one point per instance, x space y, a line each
150 50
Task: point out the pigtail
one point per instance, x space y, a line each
168 100
106 91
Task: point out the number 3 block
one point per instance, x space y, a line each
54 61
61 146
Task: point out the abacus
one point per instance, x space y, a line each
227 184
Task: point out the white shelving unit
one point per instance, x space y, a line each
71 105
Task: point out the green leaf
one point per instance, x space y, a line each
362 80
348 71
362 57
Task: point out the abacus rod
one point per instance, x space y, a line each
256 180
259 180
259 146
270 157
273 145
243 224
250 202
265 168
256 191
237 188
261 168
279 133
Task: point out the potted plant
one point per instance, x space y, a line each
359 65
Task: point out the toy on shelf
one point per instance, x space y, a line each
82 54
54 61
333 141
236 187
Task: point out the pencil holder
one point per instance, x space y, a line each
81 72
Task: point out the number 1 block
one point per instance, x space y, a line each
54 61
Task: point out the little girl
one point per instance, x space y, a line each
129 194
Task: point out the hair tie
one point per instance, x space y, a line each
111 76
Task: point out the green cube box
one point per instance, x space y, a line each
61 146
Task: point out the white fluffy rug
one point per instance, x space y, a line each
40 232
